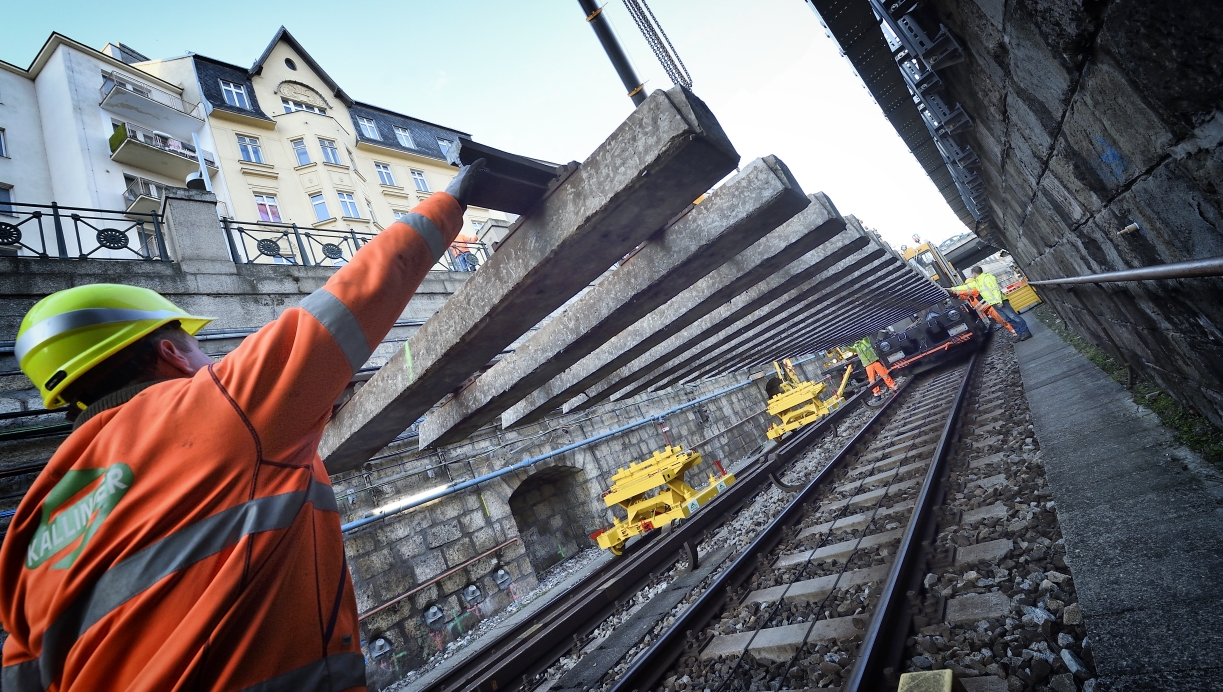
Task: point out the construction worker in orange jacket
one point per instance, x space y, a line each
870 361
185 535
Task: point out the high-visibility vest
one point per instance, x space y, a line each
866 353
189 537
986 285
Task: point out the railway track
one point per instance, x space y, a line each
530 647
928 542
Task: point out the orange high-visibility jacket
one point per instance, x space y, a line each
189 539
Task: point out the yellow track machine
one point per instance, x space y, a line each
798 403
675 499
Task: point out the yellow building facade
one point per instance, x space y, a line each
294 148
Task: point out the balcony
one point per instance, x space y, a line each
156 152
155 108
142 196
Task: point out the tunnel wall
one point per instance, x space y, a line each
1091 116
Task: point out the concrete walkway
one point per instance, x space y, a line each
1142 517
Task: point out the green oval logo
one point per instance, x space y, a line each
81 519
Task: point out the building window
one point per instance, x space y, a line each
369 128
330 153
3 144
446 146
235 95
269 210
291 106
299 150
404 137
348 206
6 198
477 225
248 149
418 177
290 64
400 215
320 207
384 173
370 207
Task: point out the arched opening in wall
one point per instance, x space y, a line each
553 513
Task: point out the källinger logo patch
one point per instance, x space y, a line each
81 519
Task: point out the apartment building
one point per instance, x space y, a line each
286 150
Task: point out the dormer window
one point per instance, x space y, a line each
369 128
235 95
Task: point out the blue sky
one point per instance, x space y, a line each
529 76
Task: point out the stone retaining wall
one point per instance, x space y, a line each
1090 117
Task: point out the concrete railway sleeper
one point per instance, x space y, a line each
526 649
929 544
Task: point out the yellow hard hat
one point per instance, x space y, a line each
69 332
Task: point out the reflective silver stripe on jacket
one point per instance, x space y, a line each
343 325
427 230
330 674
21 677
75 319
131 577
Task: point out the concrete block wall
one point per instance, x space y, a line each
551 507
1091 116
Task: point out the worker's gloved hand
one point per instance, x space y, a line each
463 183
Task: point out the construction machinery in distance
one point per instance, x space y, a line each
797 402
674 500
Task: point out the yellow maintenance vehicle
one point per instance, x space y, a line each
798 403
675 499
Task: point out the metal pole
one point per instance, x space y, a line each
161 241
615 53
199 157
301 247
59 231
1192 269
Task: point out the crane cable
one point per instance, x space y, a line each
659 42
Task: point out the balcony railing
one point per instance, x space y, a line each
266 242
112 81
156 140
49 231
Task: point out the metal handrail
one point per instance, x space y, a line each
1191 269
112 230
288 243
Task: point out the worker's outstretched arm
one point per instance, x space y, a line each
286 377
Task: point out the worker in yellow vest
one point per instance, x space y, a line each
870 361
986 286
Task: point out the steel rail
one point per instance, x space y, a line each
671 644
877 651
1192 269
534 644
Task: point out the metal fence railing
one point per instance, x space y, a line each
49 231
270 242
267 242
